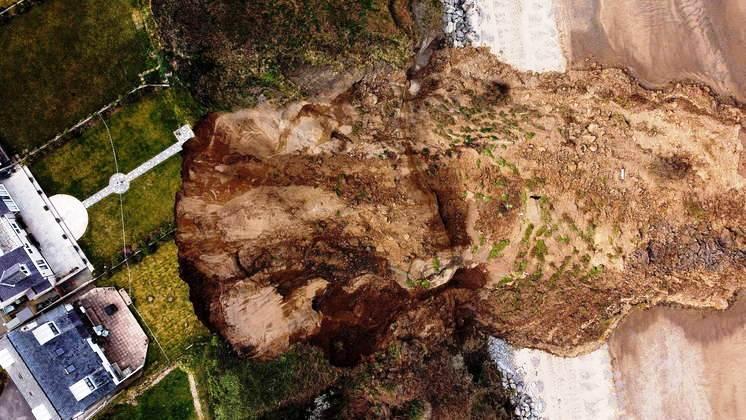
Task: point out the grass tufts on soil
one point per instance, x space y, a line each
238 50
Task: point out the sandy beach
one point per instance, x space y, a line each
660 41
662 363
683 364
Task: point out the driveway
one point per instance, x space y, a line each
12 404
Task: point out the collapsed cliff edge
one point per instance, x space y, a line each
405 204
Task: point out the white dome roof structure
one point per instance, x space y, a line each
73 212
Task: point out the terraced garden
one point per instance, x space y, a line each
82 166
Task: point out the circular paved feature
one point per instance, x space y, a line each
119 183
73 212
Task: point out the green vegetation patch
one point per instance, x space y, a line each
162 300
169 399
62 60
540 250
498 248
139 130
239 49
419 284
148 214
247 389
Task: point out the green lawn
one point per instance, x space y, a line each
148 212
62 60
162 300
139 130
169 399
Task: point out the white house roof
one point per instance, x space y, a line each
82 389
40 412
6 359
45 332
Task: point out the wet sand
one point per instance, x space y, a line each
661 40
663 363
675 363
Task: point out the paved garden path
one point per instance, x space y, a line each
119 183
7 9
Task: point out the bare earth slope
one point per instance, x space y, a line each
541 207
661 40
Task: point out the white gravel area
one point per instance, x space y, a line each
558 388
522 33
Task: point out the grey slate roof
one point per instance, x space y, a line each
24 380
48 362
4 208
34 280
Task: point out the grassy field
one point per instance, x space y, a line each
139 130
169 399
62 60
162 300
148 213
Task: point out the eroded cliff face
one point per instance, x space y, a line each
401 207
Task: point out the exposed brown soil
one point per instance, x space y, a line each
539 207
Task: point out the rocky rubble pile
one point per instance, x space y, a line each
501 354
461 20
326 222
